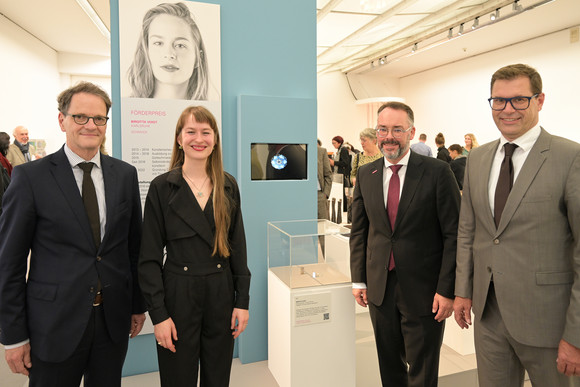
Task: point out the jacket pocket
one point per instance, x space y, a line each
40 291
554 277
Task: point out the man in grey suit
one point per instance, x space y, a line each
518 259
324 182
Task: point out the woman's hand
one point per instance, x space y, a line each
165 331
242 316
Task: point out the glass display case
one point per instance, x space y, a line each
305 253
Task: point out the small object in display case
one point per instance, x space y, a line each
305 253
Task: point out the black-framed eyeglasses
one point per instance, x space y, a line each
81 119
397 132
518 103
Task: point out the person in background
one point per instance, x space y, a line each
20 151
457 163
341 163
193 264
170 59
518 245
421 147
4 146
68 311
402 250
370 152
442 152
470 143
324 182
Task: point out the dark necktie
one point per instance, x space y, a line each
393 204
90 202
504 182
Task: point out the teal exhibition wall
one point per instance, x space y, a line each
268 57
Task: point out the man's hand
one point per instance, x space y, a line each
239 323
360 296
137 321
18 359
443 306
462 310
165 331
568 359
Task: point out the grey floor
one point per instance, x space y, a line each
455 370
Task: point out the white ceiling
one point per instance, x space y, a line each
350 35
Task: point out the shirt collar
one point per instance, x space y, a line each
404 161
526 141
75 159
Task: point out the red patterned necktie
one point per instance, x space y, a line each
393 204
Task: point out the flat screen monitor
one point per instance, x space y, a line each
274 161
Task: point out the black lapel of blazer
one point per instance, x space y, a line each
185 205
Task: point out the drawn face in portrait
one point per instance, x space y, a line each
172 55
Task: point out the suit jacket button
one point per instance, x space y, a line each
185 268
489 269
99 259
219 265
496 241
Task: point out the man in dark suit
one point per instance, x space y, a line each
73 314
403 251
518 245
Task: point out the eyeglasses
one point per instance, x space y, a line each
518 103
81 119
397 132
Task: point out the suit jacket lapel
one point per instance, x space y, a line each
413 176
529 170
377 198
482 195
63 174
185 205
112 185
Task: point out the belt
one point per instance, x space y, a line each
98 299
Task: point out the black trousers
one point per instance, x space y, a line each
96 358
403 338
201 308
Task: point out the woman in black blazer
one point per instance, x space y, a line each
193 265
341 163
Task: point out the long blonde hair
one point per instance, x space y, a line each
214 169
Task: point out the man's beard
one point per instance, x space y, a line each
396 154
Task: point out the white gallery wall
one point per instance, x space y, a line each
30 83
452 99
32 74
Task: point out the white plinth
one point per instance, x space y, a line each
313 355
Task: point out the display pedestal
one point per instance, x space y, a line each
311 333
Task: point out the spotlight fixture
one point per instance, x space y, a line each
382 60
495 15
517 7
475 23
414 49
460 29
450 34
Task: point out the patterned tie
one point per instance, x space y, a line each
90 202
393 204
504 182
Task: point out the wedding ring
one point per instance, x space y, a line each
159 343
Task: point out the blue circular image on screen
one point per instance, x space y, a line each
279 161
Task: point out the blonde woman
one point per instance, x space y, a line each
193 265
370 152
470 143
